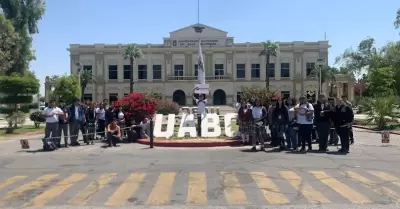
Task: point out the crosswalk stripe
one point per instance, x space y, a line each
370 184
162 189
11 180
233 190
344 190
126 190
20 191
270 191
312 195
197 189
55 191
95 186
386 177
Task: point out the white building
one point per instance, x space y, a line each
169 68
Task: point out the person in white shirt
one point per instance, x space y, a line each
259 117
51 114
201 109
101 120
305 119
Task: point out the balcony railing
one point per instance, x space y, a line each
194 78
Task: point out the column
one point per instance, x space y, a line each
74 59
135 72
248 67
263 68
98 73
338 86
209 63
278 67
149 68
120 63
350 93
189 67
229 64
167 63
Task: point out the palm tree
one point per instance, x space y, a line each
86 77
270 49
132 52
327 75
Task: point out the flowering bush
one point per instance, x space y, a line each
167 107
137 106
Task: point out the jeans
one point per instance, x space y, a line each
291 138
62 129
305 131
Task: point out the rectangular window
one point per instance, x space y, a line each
271 70
112 72
142 72
157 71
255 70
219 69
196 70
87 97
125 95
112 97
127 71
240 71
285 70
285 94
310 66
87 67
178 70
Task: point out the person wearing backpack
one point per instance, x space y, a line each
305 118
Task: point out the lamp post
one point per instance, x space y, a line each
320 63
78 69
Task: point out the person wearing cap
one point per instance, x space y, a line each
77 122
305 119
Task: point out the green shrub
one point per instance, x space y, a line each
263 94
37 118
167 107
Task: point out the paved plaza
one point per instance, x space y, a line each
134 176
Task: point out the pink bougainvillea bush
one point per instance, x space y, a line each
137 106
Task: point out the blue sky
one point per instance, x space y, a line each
133 21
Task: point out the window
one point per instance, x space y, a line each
112 72
239 96
87 67
310 66
112 97
127 71
240 71
271 70
285 70
285 94
142 72
157 72
255 70
178 70
125 95
87 97
219 69
196 70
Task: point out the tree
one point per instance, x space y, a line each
8 45
269 50
67 88
17 93
132 52
87 77
262 94
381 81
24 15
356 61
397 21
137 106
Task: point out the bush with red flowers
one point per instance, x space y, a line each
137 106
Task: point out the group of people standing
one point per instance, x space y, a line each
293 124
93 120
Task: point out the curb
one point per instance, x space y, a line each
33 133
188 143
371 129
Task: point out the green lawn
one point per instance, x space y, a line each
21 130
391 125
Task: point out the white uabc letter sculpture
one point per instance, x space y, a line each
187 126
214 124
228 124
170 126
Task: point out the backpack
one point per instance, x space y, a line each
48 144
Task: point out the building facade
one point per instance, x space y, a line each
170 68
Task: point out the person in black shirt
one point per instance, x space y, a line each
343 117
322 112
91 122
63 126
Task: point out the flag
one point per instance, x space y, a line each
201 73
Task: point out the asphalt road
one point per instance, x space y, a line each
133 176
